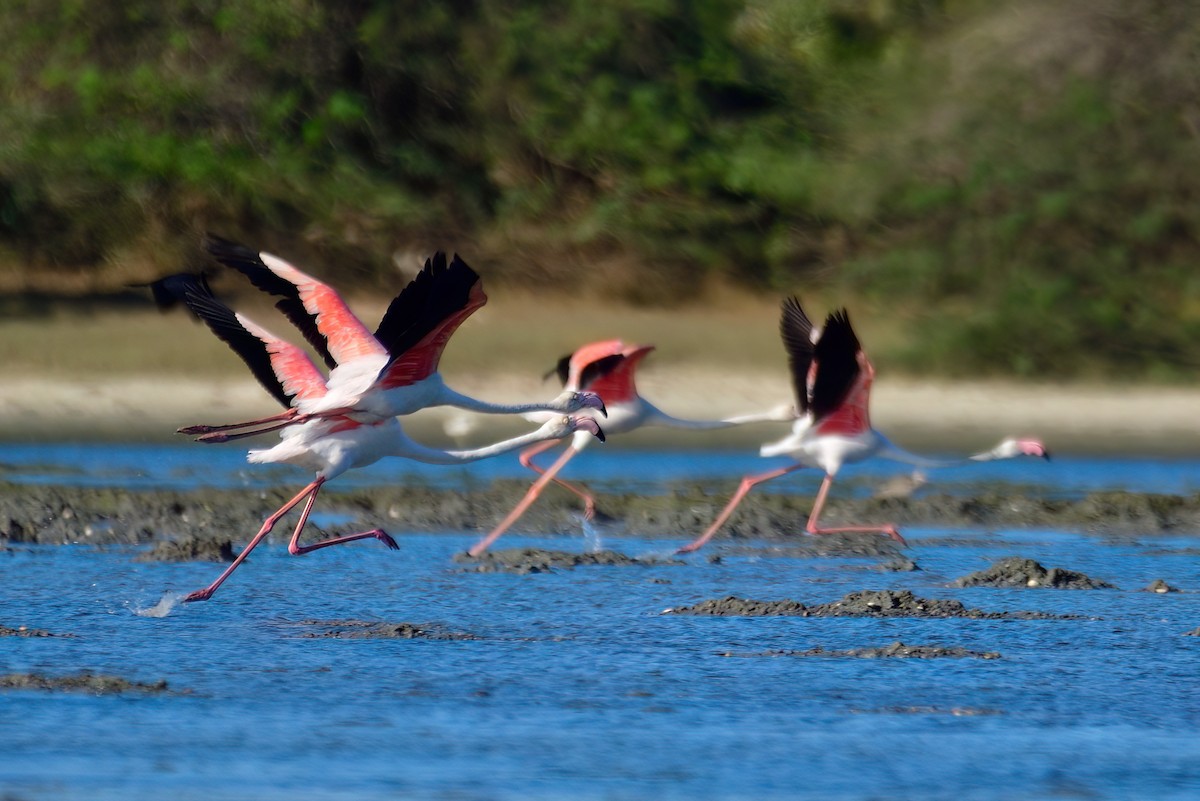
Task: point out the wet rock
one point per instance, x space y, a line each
1159 586
523 561
896 650
825 546
901 564
368 630
84 682
1016 571
865 603
25 631
192 549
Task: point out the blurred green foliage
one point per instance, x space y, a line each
1017 179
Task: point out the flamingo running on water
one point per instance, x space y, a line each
832 380
329 444
606 368
373 377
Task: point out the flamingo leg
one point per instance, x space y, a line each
819 504
290 414
296 549
282 420
530 496
221 436
526 459
743 489
309 492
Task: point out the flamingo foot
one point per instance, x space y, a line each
386 539
194 430
199 595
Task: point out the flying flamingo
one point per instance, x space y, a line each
328 444
373 377
832 380
606 368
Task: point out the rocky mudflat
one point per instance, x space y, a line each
54 514
525 561
1019 572
896 650
93 684
865 603
374 630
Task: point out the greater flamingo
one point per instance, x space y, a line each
374 377
606 368
832 379
329 444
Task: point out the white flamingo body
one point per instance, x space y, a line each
832 378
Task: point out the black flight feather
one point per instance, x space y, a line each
439 291
598 369
221 321
796 331
562 370
250 264
836 355
168 291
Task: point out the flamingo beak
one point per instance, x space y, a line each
590 424
593 401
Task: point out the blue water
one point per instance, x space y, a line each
578 688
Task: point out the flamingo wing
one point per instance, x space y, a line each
562 369
422 318
796 331
839 363
249 264
348 338
196 294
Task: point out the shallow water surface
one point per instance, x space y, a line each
577 687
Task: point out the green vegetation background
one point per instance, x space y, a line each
1017 179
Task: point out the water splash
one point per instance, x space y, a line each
591 535
163 608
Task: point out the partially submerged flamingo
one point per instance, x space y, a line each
330 444
373 376
832 379
606 368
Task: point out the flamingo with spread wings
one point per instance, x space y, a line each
330 443
832 379
393 371
608 369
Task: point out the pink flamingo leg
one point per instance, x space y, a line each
268 524
281 420
296 549
526 459
530 496
290 414
813 528
743 489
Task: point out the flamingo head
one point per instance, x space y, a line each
586 423
574 401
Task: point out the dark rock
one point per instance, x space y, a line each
367 630
1159 586
865 603
25 631
83 682
1016 571
896 650
192 549
524 561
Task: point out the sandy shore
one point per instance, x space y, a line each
1071 419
